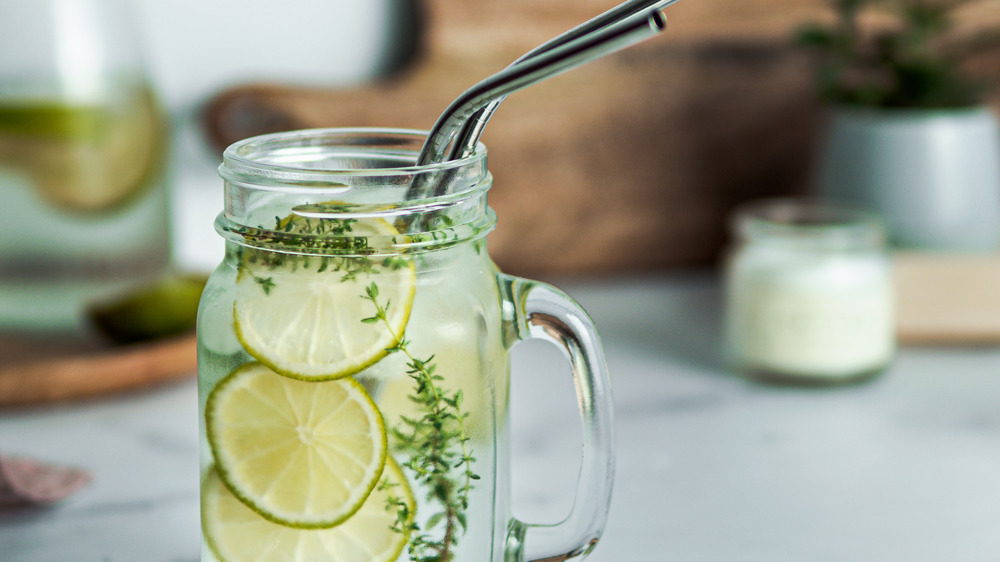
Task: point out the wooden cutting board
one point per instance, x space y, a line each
37 370
948 299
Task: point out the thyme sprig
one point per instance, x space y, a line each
436 444
303 237
439 455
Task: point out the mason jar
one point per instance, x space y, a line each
353 362
809 293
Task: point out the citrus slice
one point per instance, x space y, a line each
86 158
236 533
305 316
302 454
166 307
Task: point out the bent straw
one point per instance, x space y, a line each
553 60
559 59
467 138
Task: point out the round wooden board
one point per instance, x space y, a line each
46 370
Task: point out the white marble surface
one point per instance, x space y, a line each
710 467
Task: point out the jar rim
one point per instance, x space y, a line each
237 163
334 175
815 222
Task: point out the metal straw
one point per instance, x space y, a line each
472 129
570 54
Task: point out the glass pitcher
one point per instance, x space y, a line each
353 363
83 140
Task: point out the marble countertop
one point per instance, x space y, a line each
710 467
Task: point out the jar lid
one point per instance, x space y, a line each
809 223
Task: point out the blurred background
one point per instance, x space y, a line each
198 50
621 180
643 154
636 162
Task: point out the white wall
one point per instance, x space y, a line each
197 47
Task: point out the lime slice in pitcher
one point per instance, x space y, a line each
306 317
85 158
53 120
235 533
302 454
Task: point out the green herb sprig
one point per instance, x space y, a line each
436 444
309 236
439 455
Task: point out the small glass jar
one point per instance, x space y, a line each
809 293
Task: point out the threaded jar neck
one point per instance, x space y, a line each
300 191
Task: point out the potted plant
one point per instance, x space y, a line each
910 136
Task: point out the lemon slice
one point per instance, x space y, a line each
235 533
301 454
303 315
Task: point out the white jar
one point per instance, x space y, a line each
809 293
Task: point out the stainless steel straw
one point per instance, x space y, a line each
472 129
565 56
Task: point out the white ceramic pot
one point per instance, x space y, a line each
933 175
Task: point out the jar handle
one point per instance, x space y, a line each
541 311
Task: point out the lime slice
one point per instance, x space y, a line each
53 120
235 533
301 454
85 158
164 308
305 316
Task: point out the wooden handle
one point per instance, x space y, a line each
84 376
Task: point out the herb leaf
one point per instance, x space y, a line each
438 455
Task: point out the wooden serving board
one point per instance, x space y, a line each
36 371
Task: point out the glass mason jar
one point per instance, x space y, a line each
353 363
83 204
809 293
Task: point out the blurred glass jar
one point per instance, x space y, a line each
809 293
83 204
